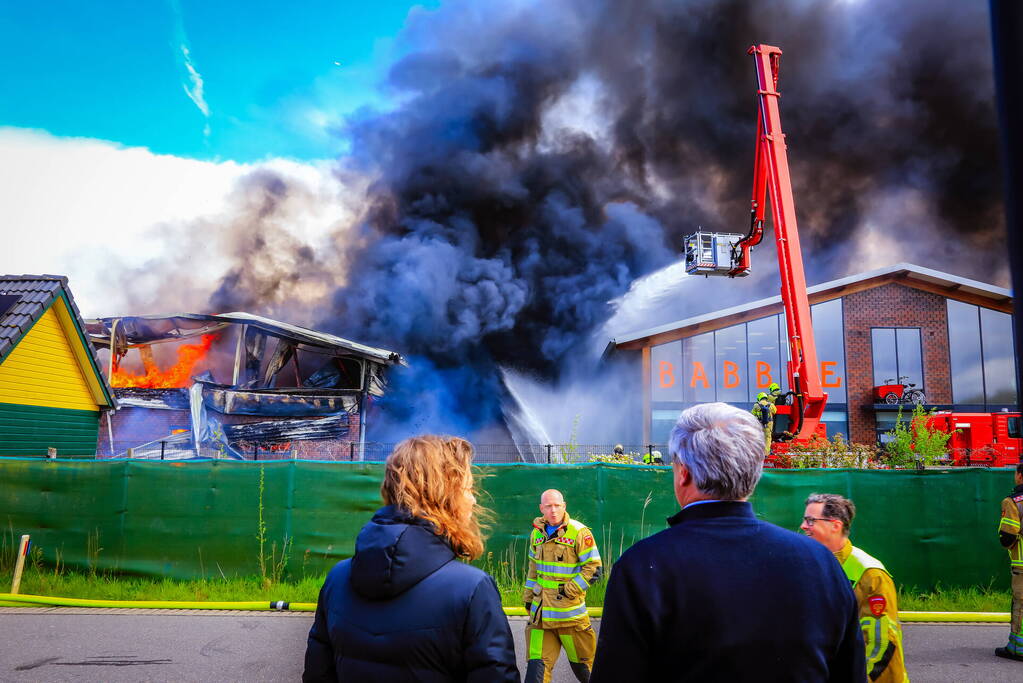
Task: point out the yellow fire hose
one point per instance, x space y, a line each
12 600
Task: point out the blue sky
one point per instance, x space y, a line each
215 80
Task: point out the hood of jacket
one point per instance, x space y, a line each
394 552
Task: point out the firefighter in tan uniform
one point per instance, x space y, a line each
563 562
828 518
1009 535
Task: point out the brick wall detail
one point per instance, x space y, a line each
892 305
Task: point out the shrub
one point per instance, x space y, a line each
913 443
837 452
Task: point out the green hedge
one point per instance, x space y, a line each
201 518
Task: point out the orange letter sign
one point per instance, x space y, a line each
731 374
667 374
699 375
828 376
763 375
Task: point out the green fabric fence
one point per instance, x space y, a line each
196 519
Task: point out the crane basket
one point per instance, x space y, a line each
713 253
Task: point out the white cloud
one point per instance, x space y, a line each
79 207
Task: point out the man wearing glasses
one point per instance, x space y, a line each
828 518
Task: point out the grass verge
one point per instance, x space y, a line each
243 589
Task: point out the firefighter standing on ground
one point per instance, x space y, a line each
827 519
563 562
764 410
1009 535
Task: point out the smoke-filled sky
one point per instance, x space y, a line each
520 165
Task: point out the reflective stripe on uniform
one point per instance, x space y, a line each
569 645
536 644
556 567
556 614
872 635
581 582
589 556
859 562
548 583
530 583
1014 523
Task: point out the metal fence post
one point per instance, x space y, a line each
548 454
162 444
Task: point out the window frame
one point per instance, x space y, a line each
898 371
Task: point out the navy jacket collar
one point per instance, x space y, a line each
394 552
724 508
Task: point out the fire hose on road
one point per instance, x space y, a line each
18 600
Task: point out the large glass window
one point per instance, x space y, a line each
896 353
836 422
765 356
700 373
829 334
666 372
999 356
886 364
730 362
965 354
982 354
663 421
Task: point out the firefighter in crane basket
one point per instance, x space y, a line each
765 410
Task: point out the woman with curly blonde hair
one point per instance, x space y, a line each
403 608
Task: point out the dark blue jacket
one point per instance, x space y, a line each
404 609
723 596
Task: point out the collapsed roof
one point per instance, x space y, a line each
138 330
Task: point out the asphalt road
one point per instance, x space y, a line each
157 645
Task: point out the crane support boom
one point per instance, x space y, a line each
771 177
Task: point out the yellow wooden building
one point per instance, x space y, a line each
52 391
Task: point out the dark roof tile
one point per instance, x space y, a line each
36 292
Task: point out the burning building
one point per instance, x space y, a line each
235 385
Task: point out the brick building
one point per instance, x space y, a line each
952 337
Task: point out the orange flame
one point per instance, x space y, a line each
179 375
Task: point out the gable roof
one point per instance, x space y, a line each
908 274
36 293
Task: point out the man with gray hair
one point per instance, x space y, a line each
720 594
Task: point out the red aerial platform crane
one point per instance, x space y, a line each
729 254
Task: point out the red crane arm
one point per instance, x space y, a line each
771 177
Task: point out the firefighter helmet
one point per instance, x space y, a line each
774 388
761 396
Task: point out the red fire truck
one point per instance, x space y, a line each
991 439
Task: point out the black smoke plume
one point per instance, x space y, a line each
546 154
